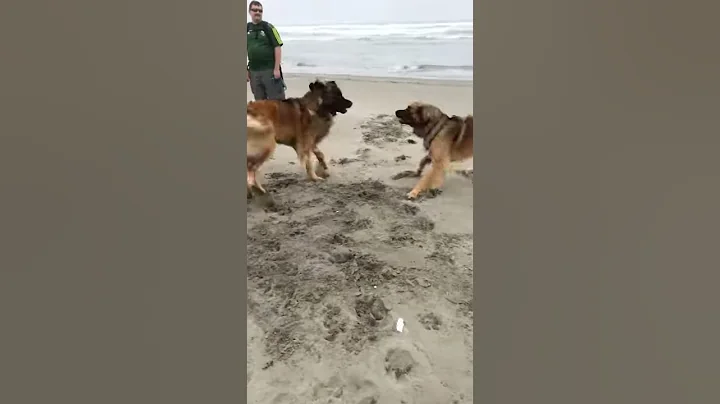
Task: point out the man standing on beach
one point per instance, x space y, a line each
264 49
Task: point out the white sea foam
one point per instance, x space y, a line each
368 32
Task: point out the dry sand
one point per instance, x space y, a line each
335 264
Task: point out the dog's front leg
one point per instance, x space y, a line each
440 167
422 184
323 167
304 154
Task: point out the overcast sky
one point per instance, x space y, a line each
308 12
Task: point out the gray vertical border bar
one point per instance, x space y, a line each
122 216
597 177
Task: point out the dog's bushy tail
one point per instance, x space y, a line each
256 125
260 139
255 121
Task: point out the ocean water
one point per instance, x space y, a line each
441 50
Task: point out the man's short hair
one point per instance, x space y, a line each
254 3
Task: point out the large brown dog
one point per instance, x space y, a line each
446 139
301 123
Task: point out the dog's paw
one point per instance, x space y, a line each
412 195
433 192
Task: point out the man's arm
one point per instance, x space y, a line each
278 57
277 45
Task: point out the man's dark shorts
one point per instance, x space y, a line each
265 86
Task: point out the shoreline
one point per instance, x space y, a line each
384 79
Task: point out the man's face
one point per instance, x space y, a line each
256 13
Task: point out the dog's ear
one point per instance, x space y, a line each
317 85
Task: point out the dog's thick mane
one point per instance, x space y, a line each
314 102
437 125
310 101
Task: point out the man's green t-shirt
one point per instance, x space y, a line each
262 39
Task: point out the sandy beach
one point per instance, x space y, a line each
335 264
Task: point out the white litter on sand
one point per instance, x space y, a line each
400 325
